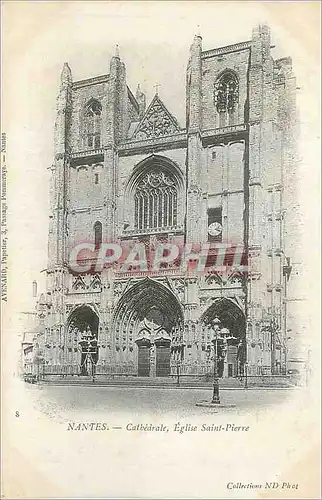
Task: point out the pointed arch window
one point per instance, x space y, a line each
92 124
98 234
226 95
156 201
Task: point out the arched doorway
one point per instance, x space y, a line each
83 333
231 344
148 319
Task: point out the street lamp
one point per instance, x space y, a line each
215 394
222 335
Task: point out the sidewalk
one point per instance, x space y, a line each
169 382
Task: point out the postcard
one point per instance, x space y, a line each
160 168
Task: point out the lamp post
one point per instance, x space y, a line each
215 394
218 334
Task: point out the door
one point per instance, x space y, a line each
232 360
163 355
144 361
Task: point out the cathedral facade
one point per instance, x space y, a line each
129 175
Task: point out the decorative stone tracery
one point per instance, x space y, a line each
157 122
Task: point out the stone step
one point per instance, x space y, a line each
185 381
196 382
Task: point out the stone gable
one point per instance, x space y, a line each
156 122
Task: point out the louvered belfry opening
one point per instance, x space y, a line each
226 96
92 124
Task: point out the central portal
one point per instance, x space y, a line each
150 316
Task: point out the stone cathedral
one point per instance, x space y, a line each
125 171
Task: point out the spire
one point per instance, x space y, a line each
194 83
138 92
66 75
115 63
196 46
141 100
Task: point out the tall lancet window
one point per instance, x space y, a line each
93 124
226 95
98 234
156 201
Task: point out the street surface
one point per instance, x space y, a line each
72 401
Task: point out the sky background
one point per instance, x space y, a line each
154 40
